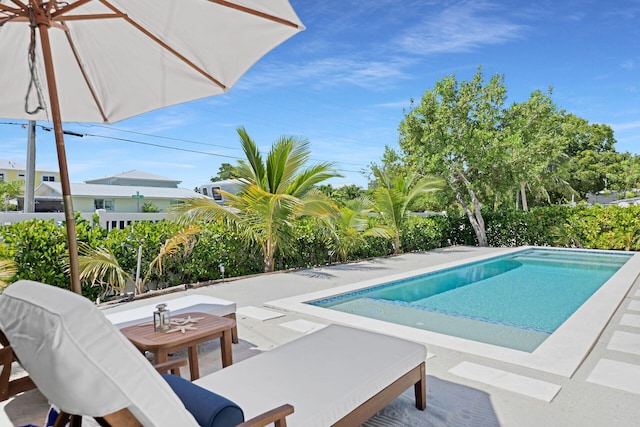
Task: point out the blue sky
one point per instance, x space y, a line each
344 82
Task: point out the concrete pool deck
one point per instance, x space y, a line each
463 388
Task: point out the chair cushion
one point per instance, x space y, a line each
325 375
209 409
80 361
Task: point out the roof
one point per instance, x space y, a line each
10 164
135 175
116 191
18 166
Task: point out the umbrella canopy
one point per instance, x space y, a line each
107 60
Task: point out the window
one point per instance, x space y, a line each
106 204
20 175
216 195
48 178
204 191
1 177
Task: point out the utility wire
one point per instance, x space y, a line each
80 135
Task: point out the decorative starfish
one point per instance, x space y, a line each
182 321
182 329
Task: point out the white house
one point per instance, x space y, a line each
122 193
136 178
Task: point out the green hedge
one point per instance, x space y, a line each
39 247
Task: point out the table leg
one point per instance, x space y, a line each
225 348
194 368
160 356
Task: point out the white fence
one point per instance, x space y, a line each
108 220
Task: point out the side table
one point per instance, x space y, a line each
161 343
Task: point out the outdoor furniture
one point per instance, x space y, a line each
161 343
178 306
85 366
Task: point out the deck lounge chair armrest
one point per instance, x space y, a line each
172 366
9 388
276 416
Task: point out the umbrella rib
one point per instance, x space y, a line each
87 17
10 9
69 7
255 12
84 75
164 45
21 5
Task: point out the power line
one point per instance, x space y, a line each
161 136
192 142
186 150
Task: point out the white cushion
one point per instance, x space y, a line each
190 303
80 361
324 375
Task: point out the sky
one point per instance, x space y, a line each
346 82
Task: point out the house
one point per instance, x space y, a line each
210 189
122 193
136 178
11 171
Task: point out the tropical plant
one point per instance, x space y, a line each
7 271
350 225
149 207
394 195
8 191
101 268
274 194
182 241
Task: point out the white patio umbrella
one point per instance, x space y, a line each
107 60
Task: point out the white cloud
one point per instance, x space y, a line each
626 126
628 65
459 28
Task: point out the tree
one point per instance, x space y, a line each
455 133
394 195
593 161
8 191
342 195
226 171
274 194
534 142
149 207
350 225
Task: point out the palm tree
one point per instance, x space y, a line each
101 267
394 195
274 193
350 225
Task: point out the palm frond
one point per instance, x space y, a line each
8 269
101 267
182 240
253 171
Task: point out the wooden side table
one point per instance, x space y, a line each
161 343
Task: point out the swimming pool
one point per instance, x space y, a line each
561 353
515 301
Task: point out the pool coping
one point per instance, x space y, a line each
561 354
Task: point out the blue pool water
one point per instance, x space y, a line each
515 300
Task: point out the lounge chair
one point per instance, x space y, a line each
78 359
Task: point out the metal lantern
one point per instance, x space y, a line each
161 318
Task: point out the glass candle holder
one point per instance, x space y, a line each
161 318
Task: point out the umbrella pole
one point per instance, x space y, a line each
43 27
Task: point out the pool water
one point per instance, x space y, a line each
515 301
